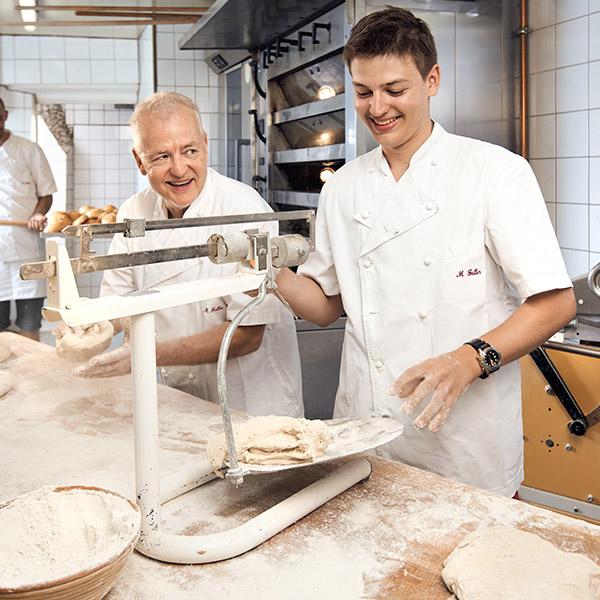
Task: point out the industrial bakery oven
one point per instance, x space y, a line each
306 117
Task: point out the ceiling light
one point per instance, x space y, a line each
29 16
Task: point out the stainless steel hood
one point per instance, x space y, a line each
251 24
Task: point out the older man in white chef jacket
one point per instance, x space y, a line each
424 242
26 188
263 370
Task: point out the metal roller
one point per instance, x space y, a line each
289 250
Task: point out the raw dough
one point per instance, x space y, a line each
5 382
4 351
272 441
85 341
502 563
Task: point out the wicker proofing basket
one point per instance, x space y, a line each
89 584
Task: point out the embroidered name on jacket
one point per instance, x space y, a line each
469 272
213 309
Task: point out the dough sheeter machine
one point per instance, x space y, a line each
561 411
256 253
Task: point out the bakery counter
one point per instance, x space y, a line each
384 538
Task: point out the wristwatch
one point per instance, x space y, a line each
487 356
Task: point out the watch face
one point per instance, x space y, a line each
491 358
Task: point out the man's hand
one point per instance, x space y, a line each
448 376
37 222
110 364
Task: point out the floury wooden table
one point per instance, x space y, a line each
382 539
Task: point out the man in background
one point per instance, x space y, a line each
26 188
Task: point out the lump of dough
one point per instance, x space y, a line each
5 382
4 352
502 562
86 341
272 441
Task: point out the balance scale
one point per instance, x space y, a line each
256 254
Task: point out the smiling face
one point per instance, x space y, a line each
392 99
171 149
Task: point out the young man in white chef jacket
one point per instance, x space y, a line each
423 242
263 369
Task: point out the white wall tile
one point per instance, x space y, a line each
165 45
572 88
572 134
542 93
103 71
572 42
594 132
542 49
201 73
53 71
27 71
594 259
594 37
572 180
542 13
77 48
542 133
126 71
572 226
79 71
165 70
594 180
7 47
7 72
594 84
125 49
569 9
576 262
102 49
184 73
545 172
52 48
27 47
595 228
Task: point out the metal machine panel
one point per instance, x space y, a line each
558 462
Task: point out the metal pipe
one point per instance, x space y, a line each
523 82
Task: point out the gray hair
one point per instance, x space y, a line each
161 104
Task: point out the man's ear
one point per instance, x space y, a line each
433 81
139 162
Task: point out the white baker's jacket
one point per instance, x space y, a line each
267 381
421 265
25 176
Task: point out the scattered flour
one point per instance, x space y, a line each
48 534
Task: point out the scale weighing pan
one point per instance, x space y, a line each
347 437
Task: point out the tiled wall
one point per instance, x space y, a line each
21 107
56 61
564 65
185 71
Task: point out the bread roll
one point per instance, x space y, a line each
83 209
93 213
110 208
57 222
109 218
80 220
74 214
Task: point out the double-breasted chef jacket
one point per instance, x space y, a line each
423 265
25 176
267 381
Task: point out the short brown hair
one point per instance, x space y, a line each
392 31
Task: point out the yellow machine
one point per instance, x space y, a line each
561 414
